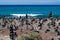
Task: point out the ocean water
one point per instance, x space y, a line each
42 10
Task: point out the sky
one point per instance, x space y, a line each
29 2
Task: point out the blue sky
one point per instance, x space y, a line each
29 2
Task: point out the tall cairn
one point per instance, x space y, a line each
50 15
11 33
27 21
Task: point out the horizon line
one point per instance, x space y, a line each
28 4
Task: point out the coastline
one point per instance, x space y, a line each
25 25
40 22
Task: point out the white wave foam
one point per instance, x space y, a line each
34 14
18 15
25 14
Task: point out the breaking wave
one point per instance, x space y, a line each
25 14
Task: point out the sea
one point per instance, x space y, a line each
31 10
